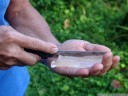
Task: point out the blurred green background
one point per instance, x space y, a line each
98 21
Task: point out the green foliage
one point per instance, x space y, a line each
96 21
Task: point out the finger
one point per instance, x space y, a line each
96 69
36 44
10 61
3 66
95 47
115 60
72 72
107 62
27 58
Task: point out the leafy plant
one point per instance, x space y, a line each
94 21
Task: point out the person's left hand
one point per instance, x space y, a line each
108 62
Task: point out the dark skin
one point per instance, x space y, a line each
26 23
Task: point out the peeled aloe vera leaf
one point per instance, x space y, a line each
76 62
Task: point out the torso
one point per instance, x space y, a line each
3 7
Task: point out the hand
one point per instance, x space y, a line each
12 44
109 61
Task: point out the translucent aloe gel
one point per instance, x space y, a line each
76 62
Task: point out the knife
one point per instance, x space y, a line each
44 55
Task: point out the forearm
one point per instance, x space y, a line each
25 19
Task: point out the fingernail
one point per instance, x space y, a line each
54 50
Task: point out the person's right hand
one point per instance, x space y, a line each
12 44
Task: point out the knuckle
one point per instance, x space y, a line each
11 62
9 36
8 53
36 45
32 44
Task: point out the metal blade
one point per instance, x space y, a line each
79 53
44 55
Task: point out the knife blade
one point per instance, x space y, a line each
44 55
